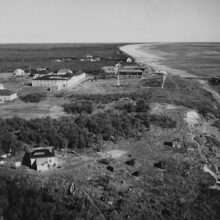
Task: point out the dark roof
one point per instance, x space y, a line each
6 92
54 77
41 153
123 70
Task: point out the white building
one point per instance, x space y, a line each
19 72
7 95
42 159
129 60
2 86
64 71
56 82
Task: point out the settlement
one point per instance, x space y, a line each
54 81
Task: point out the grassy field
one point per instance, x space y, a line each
28 56
127 175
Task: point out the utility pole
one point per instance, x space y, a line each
117 72
118 80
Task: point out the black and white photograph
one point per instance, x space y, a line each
109 109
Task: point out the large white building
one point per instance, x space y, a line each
7 95
56 82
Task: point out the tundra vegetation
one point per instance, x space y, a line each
176 189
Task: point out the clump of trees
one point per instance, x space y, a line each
85 130
140 106
162 121
108 98
81 132
33 97
79 107
214 81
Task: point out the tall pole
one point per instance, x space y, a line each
118 79
117 72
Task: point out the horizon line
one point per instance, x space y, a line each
10 43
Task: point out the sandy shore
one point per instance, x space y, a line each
147 58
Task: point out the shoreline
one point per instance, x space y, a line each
146 58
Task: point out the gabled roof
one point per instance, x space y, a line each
127 70
65 71
19 70
42 153
6 92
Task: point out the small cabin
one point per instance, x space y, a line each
40 159
174 143
19 72
2 86
64 71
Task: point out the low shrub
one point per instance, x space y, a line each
33 97
162 121
142 106
78 107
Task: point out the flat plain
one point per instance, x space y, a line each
115 144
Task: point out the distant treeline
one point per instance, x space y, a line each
33 56
33 97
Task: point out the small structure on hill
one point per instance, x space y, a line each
129 60
2 86
39 71
19 72
7 95
64 71
174 143
90 58
40 159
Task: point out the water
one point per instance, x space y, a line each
201 59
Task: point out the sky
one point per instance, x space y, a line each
75 21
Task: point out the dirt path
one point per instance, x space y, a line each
215 95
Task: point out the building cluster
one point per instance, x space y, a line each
90 58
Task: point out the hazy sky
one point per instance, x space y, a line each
39 21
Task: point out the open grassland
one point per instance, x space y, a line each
176 91
28 56
110 145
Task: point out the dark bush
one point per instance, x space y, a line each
33 97
78 107
142 106
162 121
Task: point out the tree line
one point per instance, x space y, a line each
79 132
